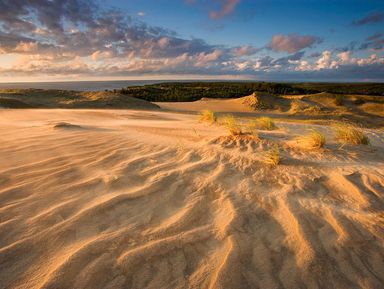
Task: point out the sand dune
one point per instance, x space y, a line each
139 199
53 98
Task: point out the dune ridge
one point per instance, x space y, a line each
130 203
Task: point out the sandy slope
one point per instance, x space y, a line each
134 199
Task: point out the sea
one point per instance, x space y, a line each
78 85
86 85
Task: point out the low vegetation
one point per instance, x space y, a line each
339 100
263 123
359 101
272 156
350 134
189 91
208 116
314 140
232 125
252 128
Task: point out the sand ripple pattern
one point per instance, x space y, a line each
108 211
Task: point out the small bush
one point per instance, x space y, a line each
349 134
359 101
272 156
315 140
339 100
232 125
264 123
208 115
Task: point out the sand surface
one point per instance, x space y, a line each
149 199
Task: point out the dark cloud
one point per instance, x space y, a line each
81 28
315 55
373 42
286 60
375 36
373 17
292 43
351 46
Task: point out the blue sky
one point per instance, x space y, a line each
259 39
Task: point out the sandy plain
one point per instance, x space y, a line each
156 199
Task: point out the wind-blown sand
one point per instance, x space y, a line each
148 199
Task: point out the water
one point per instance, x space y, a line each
78 85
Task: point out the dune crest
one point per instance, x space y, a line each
167 202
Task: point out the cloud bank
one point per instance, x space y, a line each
77 38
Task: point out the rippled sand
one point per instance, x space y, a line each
147 199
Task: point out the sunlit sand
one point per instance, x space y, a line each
154 199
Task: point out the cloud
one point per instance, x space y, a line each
220 8
215 63
81 28
141 13
246 50
78 38
325 61
374 42
292 43
344 56
373 17
227 7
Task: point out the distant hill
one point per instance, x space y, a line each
39 98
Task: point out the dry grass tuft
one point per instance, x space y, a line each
252 128
314 140
252 101
230 122
264 123
350 134
272 156
208 115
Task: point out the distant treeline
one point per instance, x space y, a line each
190 91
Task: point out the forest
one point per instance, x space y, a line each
190 91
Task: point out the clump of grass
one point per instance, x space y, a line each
252 128
208 115
272 156
315 140
232 125
350 134
264 123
